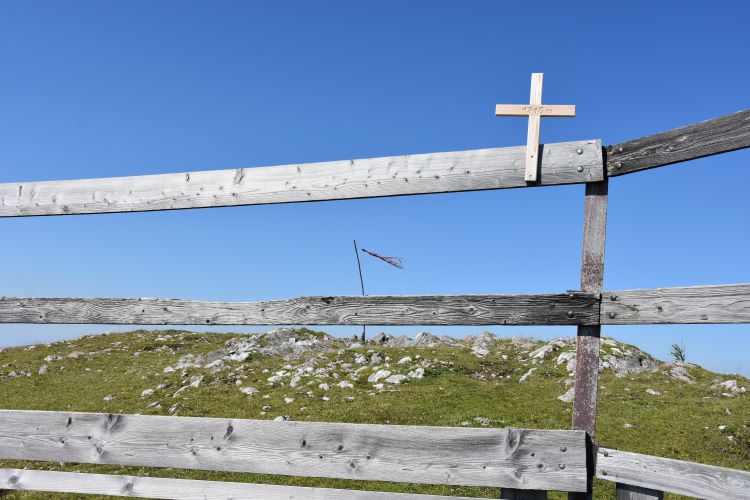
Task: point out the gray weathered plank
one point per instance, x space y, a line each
375 177
692 304
550 309
592 277
710 137
675 476
588 336
630 492
514 458
184 489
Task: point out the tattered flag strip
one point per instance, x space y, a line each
397 262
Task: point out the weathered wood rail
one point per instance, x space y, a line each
185 489
524 463
680 305
571 308
692 304
517 458
675 476
710 137
563 163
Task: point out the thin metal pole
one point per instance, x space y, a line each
361 282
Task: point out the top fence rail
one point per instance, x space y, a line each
710 137
472 170
561 163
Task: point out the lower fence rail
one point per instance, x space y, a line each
184 489
665 474
525 463
527 459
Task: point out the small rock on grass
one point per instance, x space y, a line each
380 374
568 396
526 376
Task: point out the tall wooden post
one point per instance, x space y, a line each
511 494
587 345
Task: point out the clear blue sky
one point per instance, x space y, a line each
93 89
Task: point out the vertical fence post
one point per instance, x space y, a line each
587 345
511 494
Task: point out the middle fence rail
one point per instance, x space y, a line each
679 305
570 308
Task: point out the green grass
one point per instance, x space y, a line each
458 388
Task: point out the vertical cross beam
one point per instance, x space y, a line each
532 138
534 110
587 345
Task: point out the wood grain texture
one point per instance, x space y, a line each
726 133
550 110
680 305
390 176
592 278
551 309
515 458
184 489
630 492
675 476
588 336
532 136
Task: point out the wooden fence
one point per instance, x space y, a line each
525 463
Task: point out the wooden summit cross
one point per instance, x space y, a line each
534 110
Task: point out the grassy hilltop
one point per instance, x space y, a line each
645 405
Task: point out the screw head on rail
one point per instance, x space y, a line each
611 315
613 297
571 314
619 149
562 466
580 169
618 164
563 449
579 151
